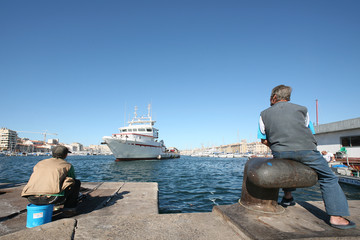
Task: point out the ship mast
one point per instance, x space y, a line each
142 119
135 114
149 111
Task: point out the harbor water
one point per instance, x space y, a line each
186 184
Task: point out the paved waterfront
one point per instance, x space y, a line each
119 210
115 210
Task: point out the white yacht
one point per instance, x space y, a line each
139 141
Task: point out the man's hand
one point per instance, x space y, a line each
265 142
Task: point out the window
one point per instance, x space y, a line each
134 130
129 130
148 130
352 141
345 141
141 129
124 130
355 141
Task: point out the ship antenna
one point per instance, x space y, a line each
135 114
149 113
125 115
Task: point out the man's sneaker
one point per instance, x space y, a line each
287 202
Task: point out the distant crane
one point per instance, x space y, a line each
43 133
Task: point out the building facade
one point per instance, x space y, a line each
99 150
25 145
75 147
240 148
8 139
332 137
253 148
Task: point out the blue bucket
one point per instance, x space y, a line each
38 214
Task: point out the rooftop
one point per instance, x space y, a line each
349 124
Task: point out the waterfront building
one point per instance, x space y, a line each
37 143
25 145
43 148
258 148
53 141
76 147
99 149
333 136
8 139
241 147
224 148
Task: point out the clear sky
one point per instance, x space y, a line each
77 68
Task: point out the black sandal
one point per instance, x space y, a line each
343 227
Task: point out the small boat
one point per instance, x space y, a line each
346 174
139 141
350 180
226 155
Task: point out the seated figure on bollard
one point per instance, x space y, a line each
286 129
53 182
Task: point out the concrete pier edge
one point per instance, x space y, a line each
129 210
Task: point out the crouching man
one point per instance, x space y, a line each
53 182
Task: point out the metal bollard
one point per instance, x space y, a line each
263 177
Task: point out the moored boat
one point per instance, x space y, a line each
346 174
139 141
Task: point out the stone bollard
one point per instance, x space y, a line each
263 177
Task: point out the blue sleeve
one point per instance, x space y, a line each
311 126
260 135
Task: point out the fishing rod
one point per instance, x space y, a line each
115 193
87 193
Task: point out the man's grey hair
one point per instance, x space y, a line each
282 92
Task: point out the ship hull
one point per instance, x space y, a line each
129 150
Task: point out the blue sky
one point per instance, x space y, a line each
76 68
